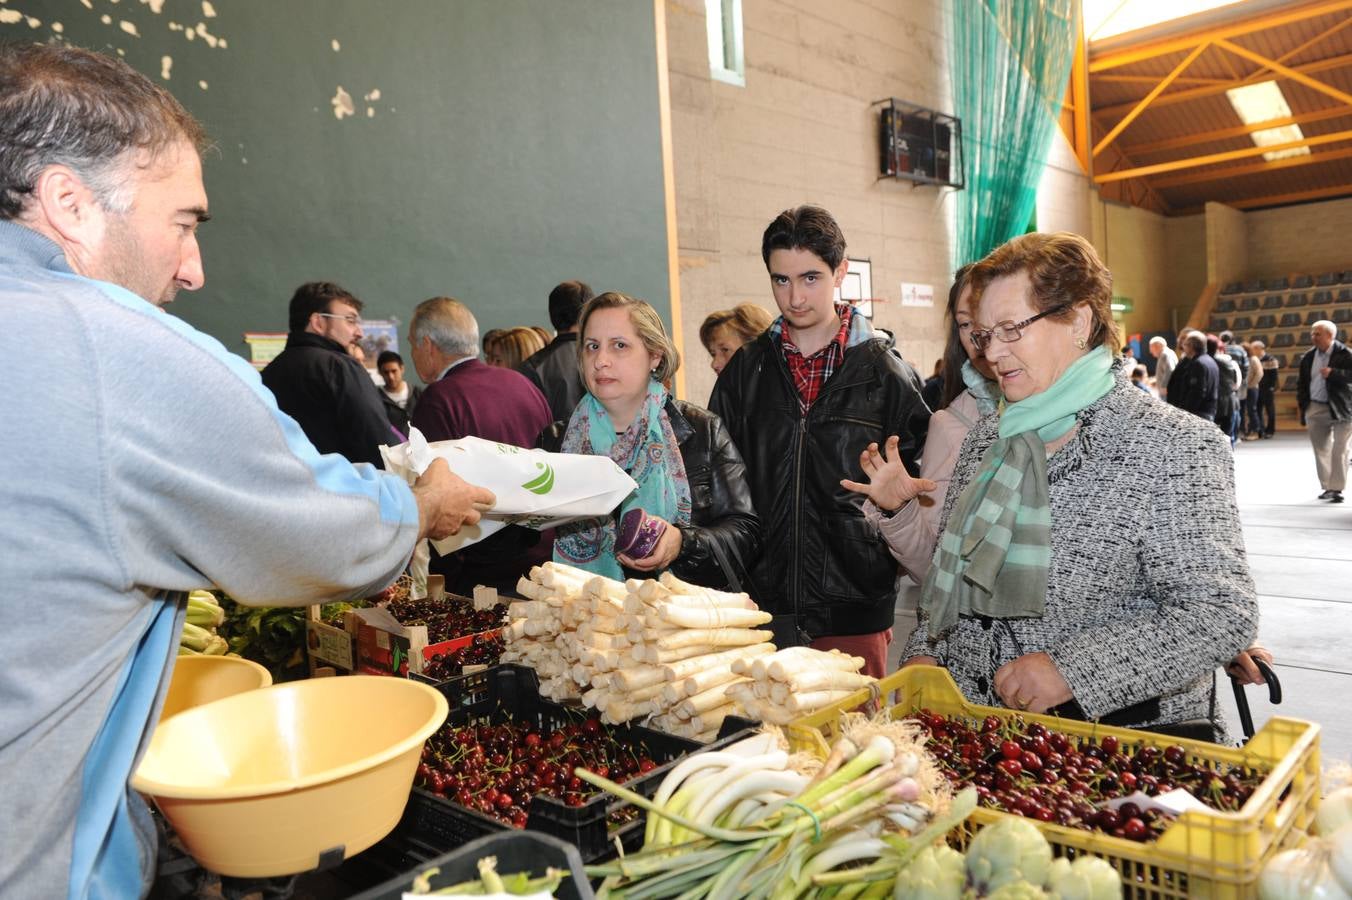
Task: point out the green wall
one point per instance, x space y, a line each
512 144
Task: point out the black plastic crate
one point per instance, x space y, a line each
516 851
512 692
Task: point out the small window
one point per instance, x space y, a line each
726 62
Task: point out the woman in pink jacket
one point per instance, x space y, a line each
908 511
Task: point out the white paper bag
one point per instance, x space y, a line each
536 489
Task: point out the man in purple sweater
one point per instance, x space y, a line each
467 398
464 396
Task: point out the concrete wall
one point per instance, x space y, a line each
1065 197
1185 267
1311 238
1133 245
1226 244
804 130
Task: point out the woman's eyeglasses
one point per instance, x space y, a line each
1008 332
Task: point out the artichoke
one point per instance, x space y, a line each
1008 851
1088 878
936 873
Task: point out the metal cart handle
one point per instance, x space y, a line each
1274 695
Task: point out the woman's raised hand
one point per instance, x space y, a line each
890 486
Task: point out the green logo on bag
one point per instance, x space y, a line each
544 482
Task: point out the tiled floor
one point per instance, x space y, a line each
1300 555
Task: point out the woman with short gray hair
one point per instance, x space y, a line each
1082 571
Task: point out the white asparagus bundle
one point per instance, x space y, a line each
702 681
688 667
722 598
652 654
711 637
701 703
712 719
792 659
636 677
819 680
712 616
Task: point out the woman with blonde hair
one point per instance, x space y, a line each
691 512
724 332
510 347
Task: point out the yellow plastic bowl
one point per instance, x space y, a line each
271 782
202 679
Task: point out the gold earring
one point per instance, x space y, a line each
1080 343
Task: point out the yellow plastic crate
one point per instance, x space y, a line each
1202 855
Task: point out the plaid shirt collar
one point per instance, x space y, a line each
810 373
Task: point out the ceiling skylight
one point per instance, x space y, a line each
1105 18
1263 102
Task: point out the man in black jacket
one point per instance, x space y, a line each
1324 394
1195 384
318 383
801 402
554 368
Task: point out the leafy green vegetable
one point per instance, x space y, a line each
274 636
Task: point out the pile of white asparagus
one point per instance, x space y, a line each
664 649
794 682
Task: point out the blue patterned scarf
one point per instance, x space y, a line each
649 453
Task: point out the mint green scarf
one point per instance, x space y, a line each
993 557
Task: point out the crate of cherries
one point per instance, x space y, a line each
505 759
446 617
483 650
1030 770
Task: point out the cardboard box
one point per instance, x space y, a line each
327 646
383 646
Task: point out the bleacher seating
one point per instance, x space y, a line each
1248 304
1344 295
1314 315
1253 287
1235 287
1328 278
1295 300
1273 301
1346 277
1302 281
1342 314
1290 320
1225 306
1266 321
1241 323
1323 296
1285 339
1279 284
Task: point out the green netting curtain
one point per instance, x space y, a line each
1009 64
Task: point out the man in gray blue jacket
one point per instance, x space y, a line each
151 461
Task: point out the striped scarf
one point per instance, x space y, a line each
993 557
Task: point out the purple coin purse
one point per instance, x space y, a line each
638 534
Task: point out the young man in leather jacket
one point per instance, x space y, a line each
801 401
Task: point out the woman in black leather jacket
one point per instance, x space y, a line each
689 473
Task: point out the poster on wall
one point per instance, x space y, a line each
264 346
856 288
379 335
917 294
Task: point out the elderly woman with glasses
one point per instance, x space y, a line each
1091 563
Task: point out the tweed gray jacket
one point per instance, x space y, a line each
1149 588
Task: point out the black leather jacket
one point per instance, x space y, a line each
721 542
821 562
1339 382
554 371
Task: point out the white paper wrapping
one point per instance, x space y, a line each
533 488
